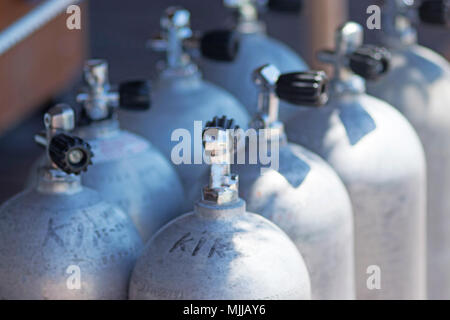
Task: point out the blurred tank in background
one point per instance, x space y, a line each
181 97
256 48
418 85
380 159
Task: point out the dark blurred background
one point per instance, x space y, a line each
117 30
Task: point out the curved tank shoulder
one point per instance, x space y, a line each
418 86
59 235
125 169
360 129
293 198
294 189
220 254
256 49
178 117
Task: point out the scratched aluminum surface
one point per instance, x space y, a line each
293 198
215 253
418 85
380 159
256 49
41 235
131 173
178 101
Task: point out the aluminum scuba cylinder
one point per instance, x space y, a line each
181 96
379 158
418 85
220 251
58 239
256 49
290 193
128 171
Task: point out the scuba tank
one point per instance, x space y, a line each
291 195
380 159
256 49
220 251
418 85
181 97
128 171
60 240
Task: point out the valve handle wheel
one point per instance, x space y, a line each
221 45
70 154
303 88
370 62
135 95
435 12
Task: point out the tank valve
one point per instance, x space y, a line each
352 57
219 143
435 12
65 151
370 62
99 100
299 88
179 42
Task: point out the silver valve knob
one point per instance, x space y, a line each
175 25
246 14
99 100
350 56
266 77
246 9
65 151
219 143
396 19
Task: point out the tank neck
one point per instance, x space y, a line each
251 27
189 71
98 129
54 181
346 83
213 210
246 18
397 30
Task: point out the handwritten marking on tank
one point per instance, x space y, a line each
51 234
181 243
200 243
217 247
